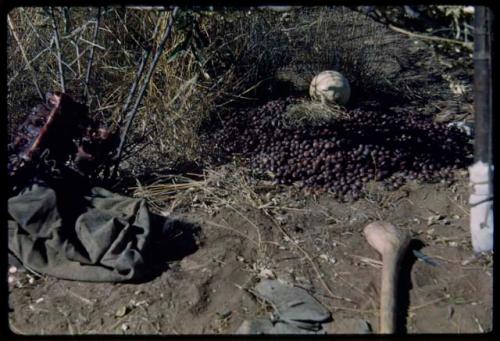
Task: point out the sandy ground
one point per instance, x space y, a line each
310 241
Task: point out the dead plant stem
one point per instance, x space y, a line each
311 261
131 114
23 53
58 50
433 38
91 53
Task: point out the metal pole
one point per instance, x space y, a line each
482 84
481 172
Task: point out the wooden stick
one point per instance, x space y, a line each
391 243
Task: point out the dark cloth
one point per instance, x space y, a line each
95 236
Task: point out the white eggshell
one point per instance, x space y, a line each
330 86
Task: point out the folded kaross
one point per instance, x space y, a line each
392 244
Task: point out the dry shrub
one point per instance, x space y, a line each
246 55
313 39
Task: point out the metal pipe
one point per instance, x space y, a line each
481 172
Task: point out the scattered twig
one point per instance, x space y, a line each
131 114
235 231
14 77
138 76
147 8
91 43
65 314
30 23
134 149
311 261
83 299
479 326
58 50
91 54
370 261
77 52
67 20
23 53
433 38
78 30
250 222
426 304
78 55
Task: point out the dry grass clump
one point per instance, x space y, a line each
227 185
212 61
307 113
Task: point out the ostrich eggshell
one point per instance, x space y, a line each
331 87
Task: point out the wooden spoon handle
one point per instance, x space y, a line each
388 294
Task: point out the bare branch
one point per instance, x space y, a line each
77 52
91 54
144 58
131 114
23 53
147 8
433 38
78 30
67 20
92 44
30 23
28 65
58 50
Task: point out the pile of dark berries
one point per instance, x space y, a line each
342 155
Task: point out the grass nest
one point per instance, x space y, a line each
312 113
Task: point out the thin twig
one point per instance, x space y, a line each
370 261
426 304
91 54
134 150
23 53
67 20
427 37
138 76
78 55
30 23
81 298
58 50
77 30
92 44
131 114
250 222
311 261
77 52
18 72
147 8
235 231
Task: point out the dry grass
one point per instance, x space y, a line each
233 56
226 186
308 113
